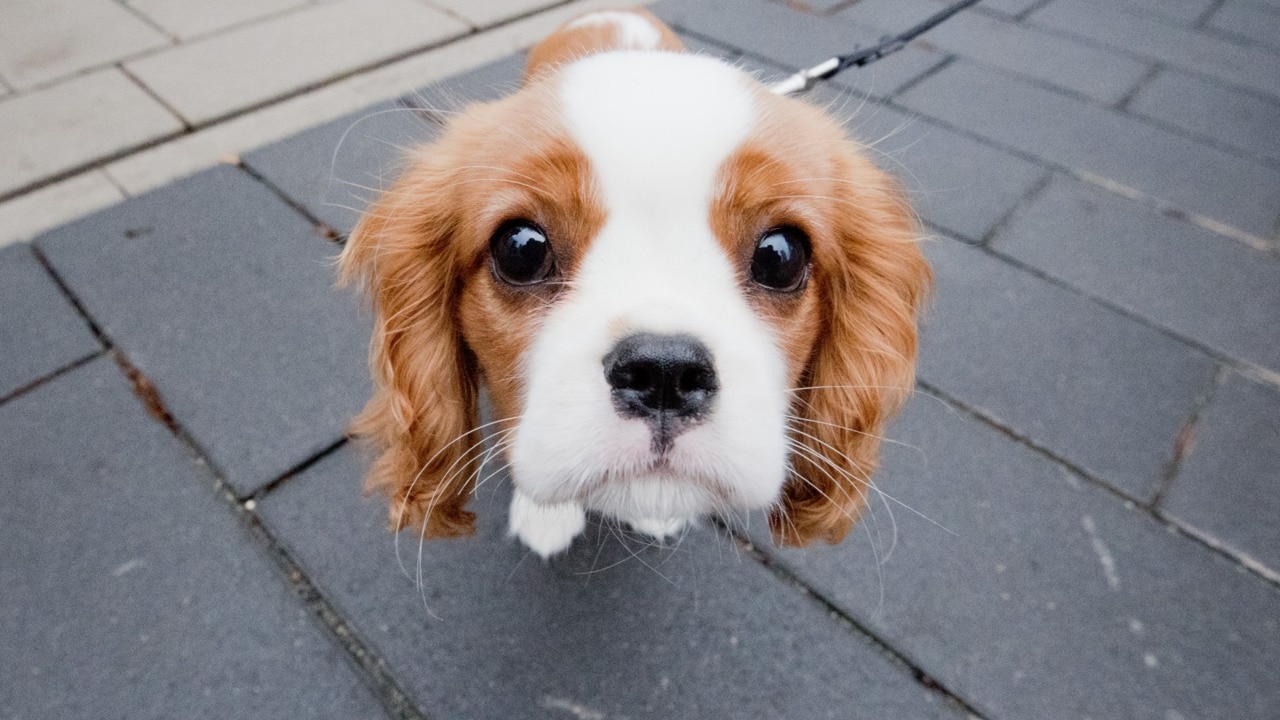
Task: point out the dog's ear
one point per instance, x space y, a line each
422 417
872 283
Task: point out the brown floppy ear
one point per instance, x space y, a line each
422 417
871 285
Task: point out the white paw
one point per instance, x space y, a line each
660 529
545 529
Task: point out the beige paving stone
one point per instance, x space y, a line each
220 74
42 40
191 153
55 129
482 13
29 215
186 19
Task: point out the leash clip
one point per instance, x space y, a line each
804 80
888 45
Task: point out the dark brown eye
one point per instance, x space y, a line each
781 259
521 253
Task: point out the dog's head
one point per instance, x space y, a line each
683 293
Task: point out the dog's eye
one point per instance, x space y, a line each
781 260
521 253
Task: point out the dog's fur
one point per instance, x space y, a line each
654 173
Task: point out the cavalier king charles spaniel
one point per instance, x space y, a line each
685 295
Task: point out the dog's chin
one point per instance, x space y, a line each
639 482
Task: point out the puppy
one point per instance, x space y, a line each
684 295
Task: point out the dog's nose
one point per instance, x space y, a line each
661 377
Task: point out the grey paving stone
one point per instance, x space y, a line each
483 84
1203 286
956 182
816 6
1009 7
702 47
795 39
1244 120
1101 390
1141 34
606 631
1250 20
335 169
39 330
1044 597
222 295
1227 482
1096 72
129 589
1068 131
1185 12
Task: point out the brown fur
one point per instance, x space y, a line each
850 336
444 326
568 44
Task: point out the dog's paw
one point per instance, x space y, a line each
546 529
659 529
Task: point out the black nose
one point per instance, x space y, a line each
661 377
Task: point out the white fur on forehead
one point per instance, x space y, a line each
634 30
656 126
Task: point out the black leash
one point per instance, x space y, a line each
888 45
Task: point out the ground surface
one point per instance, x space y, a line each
1083 498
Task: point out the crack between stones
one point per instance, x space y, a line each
1186 437
51 376
886 649
1236 557
371 668
321 228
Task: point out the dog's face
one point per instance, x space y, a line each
684 295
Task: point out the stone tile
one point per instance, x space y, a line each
1185 12
223 73
1147 36
1107 393
1226 486
702 47
816 6
71 124
28 215
1102 74
1045 597
488 82
483 13
1250 20
1225 187
186 19
794 39
42 40
606 631
130 590
222 295
1009 7
334 170
152 168
1244 120
956 182
1203 286
39 330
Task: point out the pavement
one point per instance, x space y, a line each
1077 511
